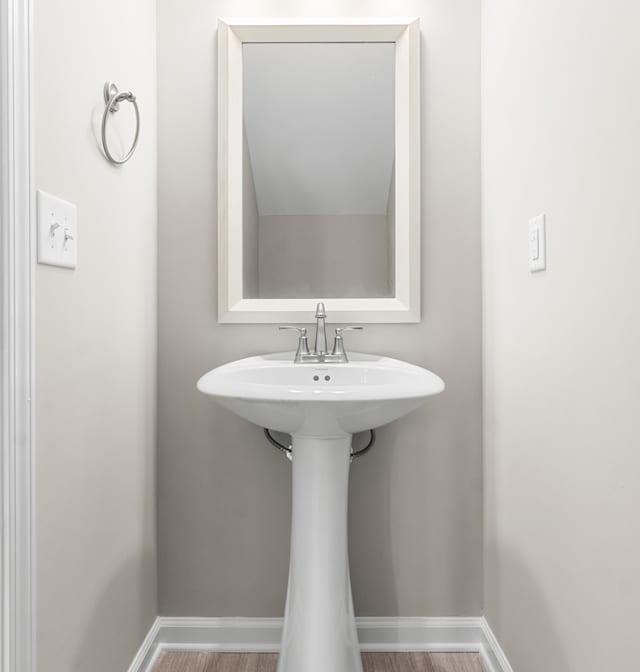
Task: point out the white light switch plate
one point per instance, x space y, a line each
537 244
57 231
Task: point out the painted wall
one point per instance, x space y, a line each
391 229
561 105
324 255
302 95
250 229
223 492
96 342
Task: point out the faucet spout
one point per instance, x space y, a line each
320 355
320 347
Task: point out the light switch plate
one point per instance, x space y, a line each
57 231
537 244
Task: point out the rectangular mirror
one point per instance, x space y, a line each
319 170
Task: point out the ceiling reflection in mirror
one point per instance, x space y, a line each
318 170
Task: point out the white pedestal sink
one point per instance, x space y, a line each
321 406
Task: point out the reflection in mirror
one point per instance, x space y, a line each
318 170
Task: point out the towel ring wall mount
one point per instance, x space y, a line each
112 98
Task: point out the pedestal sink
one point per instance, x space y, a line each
321 406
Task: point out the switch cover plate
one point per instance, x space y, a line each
57 231
537 244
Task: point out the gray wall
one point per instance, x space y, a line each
561 105
323 256
250 227
223 493
391 229
95 343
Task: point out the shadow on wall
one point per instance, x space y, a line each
124 611
120 620
410 526
527 619
371 542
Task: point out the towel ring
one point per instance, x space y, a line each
113 98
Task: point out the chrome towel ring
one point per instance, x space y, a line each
112 99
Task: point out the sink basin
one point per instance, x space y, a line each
320 399
321 406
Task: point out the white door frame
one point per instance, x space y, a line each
17 560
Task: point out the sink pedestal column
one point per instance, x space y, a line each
319 627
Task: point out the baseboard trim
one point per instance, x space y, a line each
497 658
375 634
148 651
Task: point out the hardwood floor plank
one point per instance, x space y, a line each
179 661
422 662
456 662
396 662
268 662
242 662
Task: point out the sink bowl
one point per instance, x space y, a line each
321 406
320 399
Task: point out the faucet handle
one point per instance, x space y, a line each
339 330
303 343
301 330
338 343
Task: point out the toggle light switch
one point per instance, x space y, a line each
537 244
57 231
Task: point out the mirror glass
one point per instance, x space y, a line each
318 169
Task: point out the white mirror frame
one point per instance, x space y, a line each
405 33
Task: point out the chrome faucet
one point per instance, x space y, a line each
320 354
320 346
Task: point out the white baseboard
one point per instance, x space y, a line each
375 634
497 659
150 647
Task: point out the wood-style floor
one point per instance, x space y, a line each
170 661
